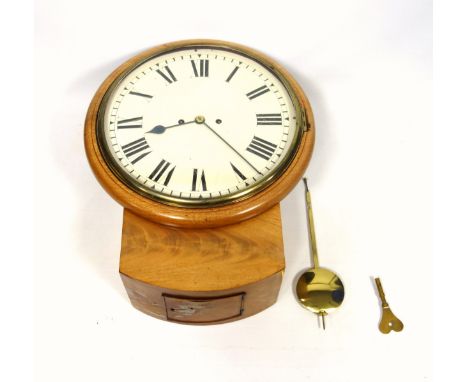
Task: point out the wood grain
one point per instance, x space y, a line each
202 310
202 259
149 299
201 265
207 264
198 217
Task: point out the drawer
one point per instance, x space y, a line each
203 310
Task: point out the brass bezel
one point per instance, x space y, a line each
202 202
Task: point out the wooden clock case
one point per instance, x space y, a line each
201 265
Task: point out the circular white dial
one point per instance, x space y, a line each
198 124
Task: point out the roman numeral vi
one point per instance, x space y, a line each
198 181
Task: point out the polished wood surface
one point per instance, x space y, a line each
202 310
201 265
150 299
198 217
199 272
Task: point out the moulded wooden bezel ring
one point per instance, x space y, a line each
198 217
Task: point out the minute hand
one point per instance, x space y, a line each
232 148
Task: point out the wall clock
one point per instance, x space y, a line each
199 141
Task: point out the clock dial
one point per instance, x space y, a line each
199 126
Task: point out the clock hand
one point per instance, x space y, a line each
232 148
159 129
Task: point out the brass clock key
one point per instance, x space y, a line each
389 321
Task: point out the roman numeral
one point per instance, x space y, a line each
197 182
203 66
136 147
232 74
237 171
128 123
269 119
159 171
258 92
141 94
170 78
261 148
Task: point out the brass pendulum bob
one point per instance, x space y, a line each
318 289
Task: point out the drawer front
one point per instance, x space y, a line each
203 310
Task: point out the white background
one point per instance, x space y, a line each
366 67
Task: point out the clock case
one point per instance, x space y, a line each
209 265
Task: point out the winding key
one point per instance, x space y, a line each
389 321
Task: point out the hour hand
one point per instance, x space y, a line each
159 129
